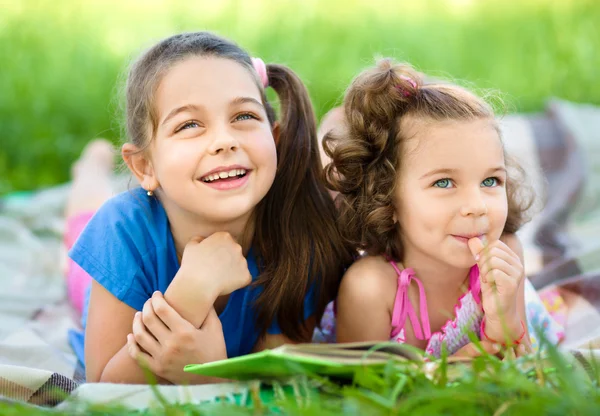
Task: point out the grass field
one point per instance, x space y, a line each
487 387
62 61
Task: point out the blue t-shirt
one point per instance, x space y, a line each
128 248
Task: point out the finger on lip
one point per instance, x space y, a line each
476 245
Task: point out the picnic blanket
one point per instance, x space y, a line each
560 150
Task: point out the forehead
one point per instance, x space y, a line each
203 81
450 144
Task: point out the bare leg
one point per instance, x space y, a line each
91 187
91 178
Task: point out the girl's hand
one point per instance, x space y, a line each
472 350
501 273
165 342
217 260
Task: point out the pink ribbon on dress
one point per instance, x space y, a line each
404 308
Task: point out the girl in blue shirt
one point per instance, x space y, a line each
230 245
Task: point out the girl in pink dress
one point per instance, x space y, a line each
427 192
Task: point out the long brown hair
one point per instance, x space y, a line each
297 242
366 157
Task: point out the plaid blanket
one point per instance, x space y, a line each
557 149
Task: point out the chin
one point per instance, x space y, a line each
225 216
461 261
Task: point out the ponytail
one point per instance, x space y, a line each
296 234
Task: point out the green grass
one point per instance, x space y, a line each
487 387
61 60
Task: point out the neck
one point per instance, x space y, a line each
186 225
435 275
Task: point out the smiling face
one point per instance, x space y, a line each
214 153
451 188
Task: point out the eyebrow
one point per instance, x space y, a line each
244 100
497 169
192 107
178 110
438 171
453 171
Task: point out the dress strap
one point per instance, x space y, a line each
403 307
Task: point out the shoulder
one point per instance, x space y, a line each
371 277
129 206
130 213
365 301
121 234
119 247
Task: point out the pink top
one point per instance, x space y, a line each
467 317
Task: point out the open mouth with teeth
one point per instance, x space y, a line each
224 176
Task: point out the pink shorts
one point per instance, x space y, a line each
77 279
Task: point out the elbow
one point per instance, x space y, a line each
92 373
101 375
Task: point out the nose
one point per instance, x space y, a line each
474 203
224 141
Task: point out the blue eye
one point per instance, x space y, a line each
245 116
188 125
443 183
490 182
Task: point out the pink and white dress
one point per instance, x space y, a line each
468 314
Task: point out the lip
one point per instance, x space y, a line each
223 169
464 238
227 185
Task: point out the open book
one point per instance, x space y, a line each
339 360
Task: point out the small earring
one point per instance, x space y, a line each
149 193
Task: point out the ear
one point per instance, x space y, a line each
140 165
276 130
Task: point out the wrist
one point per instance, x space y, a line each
504 332
191 297
193 283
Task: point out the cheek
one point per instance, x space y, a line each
418 216
178 157
264 153
498 213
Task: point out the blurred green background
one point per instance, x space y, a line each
62 61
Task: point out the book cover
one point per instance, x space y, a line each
337 360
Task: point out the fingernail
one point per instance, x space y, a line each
137 314
497 347
476 257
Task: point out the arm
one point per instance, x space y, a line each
362 313
166 342
503 289
191 305
183 327
513 242
106 355
109 322
209 268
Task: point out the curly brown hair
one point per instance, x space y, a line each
366 152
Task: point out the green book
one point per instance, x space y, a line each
337 360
